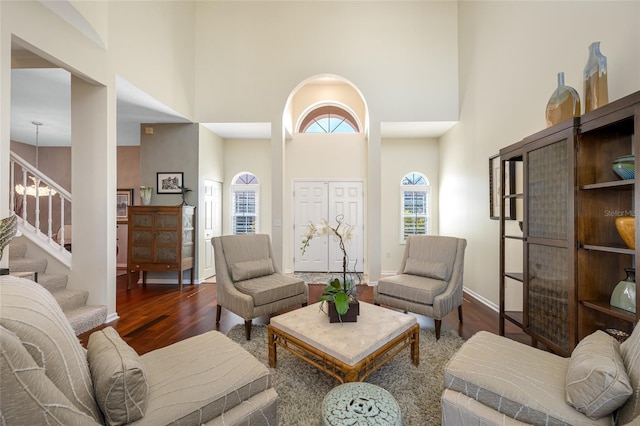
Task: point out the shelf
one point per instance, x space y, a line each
618 184
511 196
608 249
514 317
606 308
514 237
518 276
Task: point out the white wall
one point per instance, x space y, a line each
509 59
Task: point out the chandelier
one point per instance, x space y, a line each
36 189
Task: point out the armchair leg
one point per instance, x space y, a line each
218 313
247 329
460 313
438 326
304 304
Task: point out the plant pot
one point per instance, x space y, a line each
350 316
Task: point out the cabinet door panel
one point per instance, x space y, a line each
547 191
548 294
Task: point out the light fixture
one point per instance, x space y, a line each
33 190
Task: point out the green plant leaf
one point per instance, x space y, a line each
342 303
335 283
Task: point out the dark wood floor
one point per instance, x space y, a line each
155 316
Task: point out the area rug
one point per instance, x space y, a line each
302 387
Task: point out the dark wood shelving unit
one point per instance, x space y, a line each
572 254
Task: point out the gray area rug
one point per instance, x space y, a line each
302 387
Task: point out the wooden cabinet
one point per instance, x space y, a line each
605 134
572 256
161 238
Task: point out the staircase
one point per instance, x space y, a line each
81 316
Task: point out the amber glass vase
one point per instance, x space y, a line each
563 104
596 92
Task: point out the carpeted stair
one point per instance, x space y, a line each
82 317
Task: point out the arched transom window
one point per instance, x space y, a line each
329 119
244 192
415 191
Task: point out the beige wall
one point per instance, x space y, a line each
252 156
509 61
399 157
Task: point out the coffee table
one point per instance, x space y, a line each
350 352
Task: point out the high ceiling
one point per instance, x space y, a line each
40 92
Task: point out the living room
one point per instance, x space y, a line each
488 68
478 70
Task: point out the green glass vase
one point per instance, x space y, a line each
624 294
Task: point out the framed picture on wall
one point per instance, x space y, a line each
169 183
124 199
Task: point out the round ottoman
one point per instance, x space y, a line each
360 403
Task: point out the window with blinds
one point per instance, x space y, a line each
244 191
415 191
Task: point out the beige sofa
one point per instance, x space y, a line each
47 377
493 380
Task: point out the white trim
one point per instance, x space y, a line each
482 299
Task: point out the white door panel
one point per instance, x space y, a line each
212 222
317 200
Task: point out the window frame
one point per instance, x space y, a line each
426 188
307 118
244 187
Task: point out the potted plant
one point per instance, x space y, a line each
340 293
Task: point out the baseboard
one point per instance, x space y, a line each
481 299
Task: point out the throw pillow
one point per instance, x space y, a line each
241 271
119 377
597 382
424 268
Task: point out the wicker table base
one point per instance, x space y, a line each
307 345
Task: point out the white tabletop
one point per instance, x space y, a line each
348 342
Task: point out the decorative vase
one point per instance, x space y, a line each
626 226
625 166
624 294
350 316
563 104
596 92
145 195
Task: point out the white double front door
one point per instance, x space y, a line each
317 200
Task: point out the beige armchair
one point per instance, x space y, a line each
249 283
429 281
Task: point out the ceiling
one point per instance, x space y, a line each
43 95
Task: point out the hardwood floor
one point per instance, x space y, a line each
155 316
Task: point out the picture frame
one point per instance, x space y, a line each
169 182
124 199
495 189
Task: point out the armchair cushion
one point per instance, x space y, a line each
119 377
424 268
28 396
271 288
30 311
597 383
525 383
246 270
412 287
630 351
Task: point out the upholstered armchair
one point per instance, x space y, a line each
429 280
249 283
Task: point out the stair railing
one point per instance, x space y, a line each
29 186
